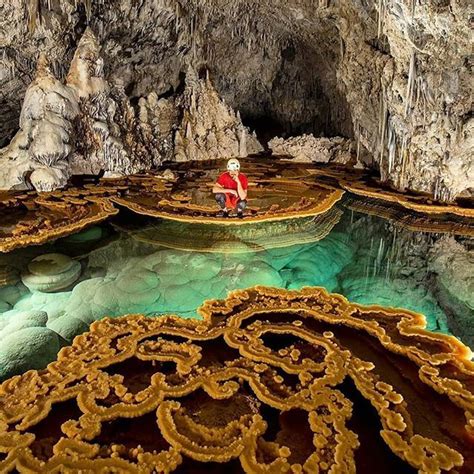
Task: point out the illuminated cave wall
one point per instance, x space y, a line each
392 74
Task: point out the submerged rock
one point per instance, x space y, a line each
51 272
453 266
27 348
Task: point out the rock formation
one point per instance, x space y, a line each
413 114
307 149
107 132
268 381
393 75
453 266
51 272
39 151
210 129
88 125
72 128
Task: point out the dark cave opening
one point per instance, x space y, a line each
266 127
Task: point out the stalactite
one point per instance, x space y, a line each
357 127
404 154
381 18
383 119
33 14
410 84
413 5
88 9
392 146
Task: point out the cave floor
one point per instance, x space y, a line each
278 190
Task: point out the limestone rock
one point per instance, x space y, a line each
307 149
409 88
159 120
210 129
395 76
107 122
48 179
37 154
80 127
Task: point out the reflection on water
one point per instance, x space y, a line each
168 267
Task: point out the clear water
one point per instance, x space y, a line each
159 267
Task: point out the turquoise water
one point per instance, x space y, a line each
155 267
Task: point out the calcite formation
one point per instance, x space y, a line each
372 188
395 75
412 220
453 266
82 126
209 127
128 276
269 381
87 126
236 239
278 191
40 149
188 199
309 149
51 272
363 183
29 218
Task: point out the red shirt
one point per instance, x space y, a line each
227 182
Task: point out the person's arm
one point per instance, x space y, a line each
218 188
241 192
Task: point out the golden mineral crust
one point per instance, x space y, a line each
268 381
277 191
422 203
412 220
34 219
363 183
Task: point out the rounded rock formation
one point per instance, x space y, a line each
51 272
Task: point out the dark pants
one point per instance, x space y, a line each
220 198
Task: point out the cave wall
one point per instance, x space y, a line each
394 74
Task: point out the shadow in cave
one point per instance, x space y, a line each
266 128
373 455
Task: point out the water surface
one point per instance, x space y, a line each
154 267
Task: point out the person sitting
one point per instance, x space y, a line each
230 190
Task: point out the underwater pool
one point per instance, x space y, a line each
153 267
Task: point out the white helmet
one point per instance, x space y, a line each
233 165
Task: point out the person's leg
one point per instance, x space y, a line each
221 200
242 204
